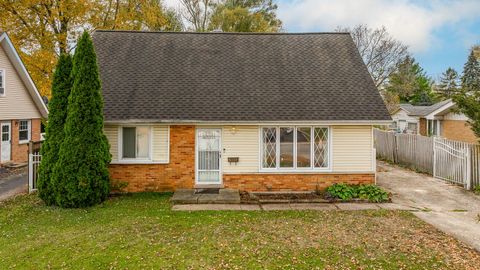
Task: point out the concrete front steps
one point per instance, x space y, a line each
206 196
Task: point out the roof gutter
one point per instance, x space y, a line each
197 122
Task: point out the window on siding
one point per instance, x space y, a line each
24 130
412 127
304 147
136 142
269 146
320 147
299 148
286 147
2 83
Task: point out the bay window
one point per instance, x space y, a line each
295 148
136 142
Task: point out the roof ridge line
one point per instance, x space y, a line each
222 33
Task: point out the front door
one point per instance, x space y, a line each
209 155
6 136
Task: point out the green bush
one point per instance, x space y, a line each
81 173
476 190
57 115
372 193
346 192
343 192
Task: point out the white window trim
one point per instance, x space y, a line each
29 131
121 159
294 169
3 83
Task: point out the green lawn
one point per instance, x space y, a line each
140 231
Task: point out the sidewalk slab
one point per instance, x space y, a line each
396 206
313 206
250 207
207 207
276 206
357 206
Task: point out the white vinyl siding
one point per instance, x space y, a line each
352 148
158 144
161 144
17 102
111 132
241 142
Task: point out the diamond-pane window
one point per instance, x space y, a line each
320 147
269 147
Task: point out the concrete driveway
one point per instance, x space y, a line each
449 208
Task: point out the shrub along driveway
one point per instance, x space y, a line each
449 208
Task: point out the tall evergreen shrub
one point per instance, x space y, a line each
57 106
81 173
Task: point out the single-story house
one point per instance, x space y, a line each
440 119
253 112
21 106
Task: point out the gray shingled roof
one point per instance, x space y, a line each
423 110
164 76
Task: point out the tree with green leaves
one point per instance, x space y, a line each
468 99
81 174
245 16
410 83
57 106
449 83
231 15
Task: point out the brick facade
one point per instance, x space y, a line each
423 127
458 130
19 152
295 182
178 173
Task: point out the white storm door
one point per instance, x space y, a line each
6 138
209 156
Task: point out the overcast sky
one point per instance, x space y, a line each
438 32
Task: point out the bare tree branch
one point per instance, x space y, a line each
380 51
197 13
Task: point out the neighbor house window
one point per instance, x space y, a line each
136 142
2 82
412 127
24 131
297 148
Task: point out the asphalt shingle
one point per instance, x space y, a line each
171 77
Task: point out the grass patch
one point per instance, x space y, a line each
140 231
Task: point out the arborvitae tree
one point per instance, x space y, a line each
81 173
468 100
448 85
61 86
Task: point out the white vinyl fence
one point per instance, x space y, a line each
34 159
452 161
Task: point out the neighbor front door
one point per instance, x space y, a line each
208 156
6 138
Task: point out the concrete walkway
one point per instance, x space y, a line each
449 208
13 185
291 206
